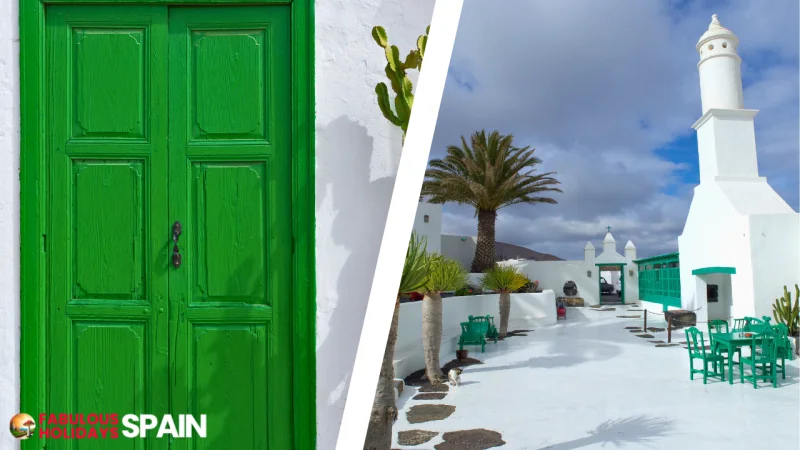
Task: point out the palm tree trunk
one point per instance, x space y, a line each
505 311
384 410
485 255
432 335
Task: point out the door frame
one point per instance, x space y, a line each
621 267
34 217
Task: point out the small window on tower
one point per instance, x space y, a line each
711 46
724 45
427 218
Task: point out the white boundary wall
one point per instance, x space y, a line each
535 309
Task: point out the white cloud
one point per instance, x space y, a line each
596 87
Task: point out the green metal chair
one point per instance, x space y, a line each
738 325
720 326
756 325
783 347
763 356
472 334
487 326
697 350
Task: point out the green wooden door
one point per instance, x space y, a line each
108 303
230 187
158 115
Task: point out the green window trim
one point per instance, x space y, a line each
711 270
33 205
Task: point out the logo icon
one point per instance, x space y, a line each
22 426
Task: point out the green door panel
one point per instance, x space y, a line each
230 187
162 114
107 149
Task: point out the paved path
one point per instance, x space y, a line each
591 384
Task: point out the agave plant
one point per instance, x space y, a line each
787 313
384 410
504 279
444 274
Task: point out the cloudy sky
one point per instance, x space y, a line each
607 91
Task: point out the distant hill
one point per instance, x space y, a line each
510 251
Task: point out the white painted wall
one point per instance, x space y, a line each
460 248
357 152
432 229
535 310
356 156
9 216
553 275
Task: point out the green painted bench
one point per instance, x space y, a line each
487 326
472 333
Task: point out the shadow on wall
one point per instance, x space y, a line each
642 430
351 215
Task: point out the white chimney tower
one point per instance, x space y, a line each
720 68
740 235
725 133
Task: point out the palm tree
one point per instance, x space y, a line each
444 275
504 280
384 410
488 175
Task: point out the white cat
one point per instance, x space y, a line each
454 376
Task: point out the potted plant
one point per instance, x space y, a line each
789 314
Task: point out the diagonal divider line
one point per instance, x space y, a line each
399 223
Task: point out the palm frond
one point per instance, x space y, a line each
415 268
488 173
503 278
444 274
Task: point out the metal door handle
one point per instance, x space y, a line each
176 251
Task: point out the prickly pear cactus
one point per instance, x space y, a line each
398 79
787 313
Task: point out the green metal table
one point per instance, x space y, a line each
732 341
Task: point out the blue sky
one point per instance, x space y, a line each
607 92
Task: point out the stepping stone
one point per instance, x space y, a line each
635 310
637 330
667 345
479 439
633 328
655 329
434 388
656 342
646 336
630 317
415 437
428 413
430 396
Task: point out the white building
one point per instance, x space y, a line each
740 235
585 273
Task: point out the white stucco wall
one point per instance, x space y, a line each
357 152
9 214
553 275
356 157
535 310
460 248
432 229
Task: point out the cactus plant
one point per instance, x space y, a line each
785 312
396 73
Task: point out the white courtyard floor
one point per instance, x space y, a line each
590 383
